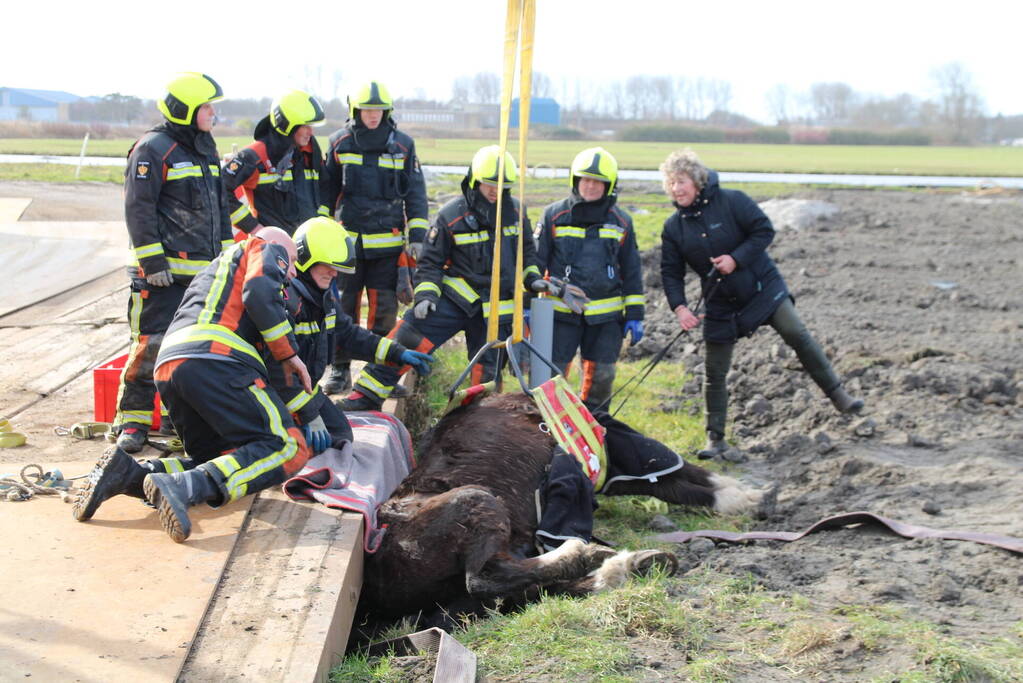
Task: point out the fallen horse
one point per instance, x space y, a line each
462 527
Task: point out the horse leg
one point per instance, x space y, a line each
694 486
505 575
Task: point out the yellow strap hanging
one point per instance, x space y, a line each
525 94
519 21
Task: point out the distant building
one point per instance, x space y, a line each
544 110
35 105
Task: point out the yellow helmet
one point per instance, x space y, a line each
484 167
324 240
373 95
295 108
185 94
596 163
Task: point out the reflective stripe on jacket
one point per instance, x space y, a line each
234 308
175 205
600 256
380 193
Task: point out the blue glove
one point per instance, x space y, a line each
419 361
635 328
316 435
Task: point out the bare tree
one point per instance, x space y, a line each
662 92
960 106
542 85
461 89
719 95
486 87
832 102
779 103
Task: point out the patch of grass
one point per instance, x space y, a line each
939 658
870 159
61 173
358 668
585 639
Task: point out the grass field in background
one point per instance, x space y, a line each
953 161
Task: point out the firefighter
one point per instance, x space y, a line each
176 211
372 177
237 432
324 250
452 290
589 241
279 173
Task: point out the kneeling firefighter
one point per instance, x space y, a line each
325 249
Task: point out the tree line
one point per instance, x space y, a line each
956 114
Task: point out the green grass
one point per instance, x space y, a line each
61 173
982 161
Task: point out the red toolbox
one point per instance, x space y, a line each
106 380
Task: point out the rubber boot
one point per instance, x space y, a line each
843 402
715 446
115 473
356 401
173 493
339 381
132 439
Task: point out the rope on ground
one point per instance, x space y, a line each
35 483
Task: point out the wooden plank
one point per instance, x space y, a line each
113 599
47 258
285 607
11 208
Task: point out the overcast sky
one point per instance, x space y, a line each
419 48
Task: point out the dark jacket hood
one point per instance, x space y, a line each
277 145
191 137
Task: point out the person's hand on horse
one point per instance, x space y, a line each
686 319
418 360
724 264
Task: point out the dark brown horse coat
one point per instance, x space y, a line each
462 524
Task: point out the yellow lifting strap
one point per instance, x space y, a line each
518 40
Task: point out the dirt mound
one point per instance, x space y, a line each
915 297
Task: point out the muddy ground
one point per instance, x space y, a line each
917 298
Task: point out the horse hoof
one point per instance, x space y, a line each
645 561
768 503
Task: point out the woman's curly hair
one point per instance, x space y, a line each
684 161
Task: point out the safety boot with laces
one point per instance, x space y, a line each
173 493
716 446
115 473
339 381
843 402
356 401
132 439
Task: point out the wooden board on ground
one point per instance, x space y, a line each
109 600
44 259
11 208
284 609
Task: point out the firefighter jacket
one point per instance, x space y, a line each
593 245
175 205
459 254
374 177
319 327
279 181
723 222
234 308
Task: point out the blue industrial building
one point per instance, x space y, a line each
35 105
542 110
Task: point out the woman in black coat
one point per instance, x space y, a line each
722 235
